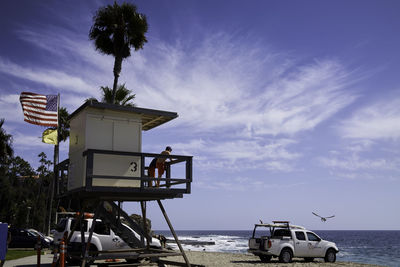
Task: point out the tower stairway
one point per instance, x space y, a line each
111 214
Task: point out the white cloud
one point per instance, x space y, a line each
224 82
194 145
252 150
380 120
72 67
376 128
241 184
240 154
237 100
360 145
360 176
282 166
10 108
55 78
69 47
221 85
24 141
355 163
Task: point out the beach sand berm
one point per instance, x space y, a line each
218 259
211 259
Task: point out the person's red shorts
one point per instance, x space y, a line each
160 167
151 171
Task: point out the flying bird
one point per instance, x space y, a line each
323 219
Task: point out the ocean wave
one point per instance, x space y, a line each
354 246
212 243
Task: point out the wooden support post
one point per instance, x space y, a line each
146 232
82 222
168 175
38 248
55 257
86 251
173 232
81 213
89 170
142 172
118 212
189 172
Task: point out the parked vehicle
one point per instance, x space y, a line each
287 241
36 233
103 238
22 238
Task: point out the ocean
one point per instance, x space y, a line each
372 247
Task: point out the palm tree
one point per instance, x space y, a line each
6 151
116 29
63 128
63 133
122 96
64 124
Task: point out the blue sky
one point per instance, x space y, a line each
288 107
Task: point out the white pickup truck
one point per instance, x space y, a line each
103 238
287 241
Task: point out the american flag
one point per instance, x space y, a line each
40 109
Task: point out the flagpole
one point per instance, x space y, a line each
56 157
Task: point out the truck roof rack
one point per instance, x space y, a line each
281 224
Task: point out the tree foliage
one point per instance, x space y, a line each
20 194
64 124
6 150
24 192
116 29
123 96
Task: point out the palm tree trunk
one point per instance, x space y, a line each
117 71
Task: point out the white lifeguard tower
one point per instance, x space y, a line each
106 165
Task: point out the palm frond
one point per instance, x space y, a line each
123 95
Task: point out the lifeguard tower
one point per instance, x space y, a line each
106 165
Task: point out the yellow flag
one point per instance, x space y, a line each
50 137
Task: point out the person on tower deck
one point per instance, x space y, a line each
158 163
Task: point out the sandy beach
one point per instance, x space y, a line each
238 260
204 259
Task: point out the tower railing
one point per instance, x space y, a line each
179 184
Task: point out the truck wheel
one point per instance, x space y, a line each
330 255
265 258
94 252
285 256
308 259
72 261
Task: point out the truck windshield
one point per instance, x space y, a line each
61 225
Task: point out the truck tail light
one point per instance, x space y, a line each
269 243
86 215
